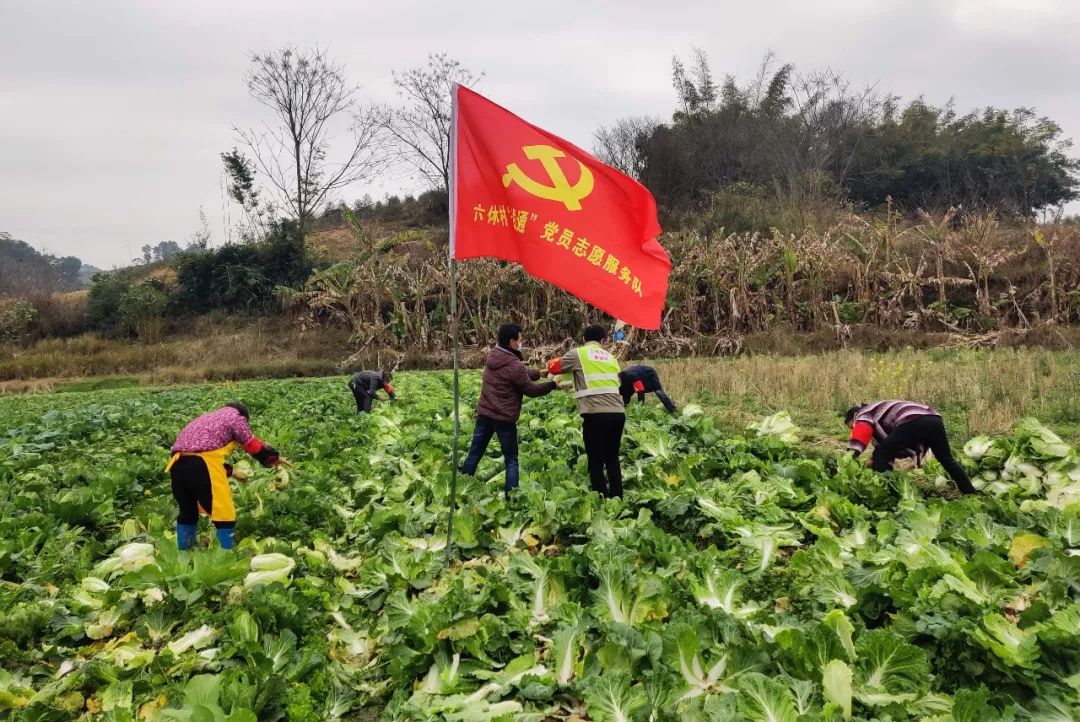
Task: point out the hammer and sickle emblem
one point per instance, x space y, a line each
560 189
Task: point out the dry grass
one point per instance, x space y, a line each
336 244
226 350
341 243
978 392
210 350
27 386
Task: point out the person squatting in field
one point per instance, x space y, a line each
641 380
366 384
506 380
200 476
603 413
903 429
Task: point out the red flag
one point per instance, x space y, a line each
524 195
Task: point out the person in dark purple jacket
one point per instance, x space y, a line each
506 381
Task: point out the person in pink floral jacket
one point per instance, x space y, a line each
200 475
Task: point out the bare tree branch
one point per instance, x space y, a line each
308 95
420 129
620 146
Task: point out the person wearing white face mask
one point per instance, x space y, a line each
506 381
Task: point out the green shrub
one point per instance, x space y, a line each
15 322
142 310
241 277
107 290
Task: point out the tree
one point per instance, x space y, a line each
241 174
240 277
161 252
621 145
833 118
166 250
24 270
309 97
420 129
800 141
200 239
696 88
240 184
15 321
68 269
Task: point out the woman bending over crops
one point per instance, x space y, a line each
903 429
200 476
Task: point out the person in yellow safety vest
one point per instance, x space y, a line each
603 414
200 476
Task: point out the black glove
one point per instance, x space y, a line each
267 455
228 470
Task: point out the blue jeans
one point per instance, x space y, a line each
508 442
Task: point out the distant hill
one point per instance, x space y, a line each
24 270
86 274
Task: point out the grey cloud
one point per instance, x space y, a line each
113 112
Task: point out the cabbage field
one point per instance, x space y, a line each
742 578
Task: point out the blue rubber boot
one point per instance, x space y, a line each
185 536
225 538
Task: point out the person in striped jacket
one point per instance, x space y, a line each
900 429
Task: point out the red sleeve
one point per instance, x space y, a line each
253 446
863 433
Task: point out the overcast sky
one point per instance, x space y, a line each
113 113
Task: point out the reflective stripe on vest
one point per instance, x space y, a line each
600 369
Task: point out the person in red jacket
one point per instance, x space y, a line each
506 380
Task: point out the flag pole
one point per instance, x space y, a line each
451 193
457 414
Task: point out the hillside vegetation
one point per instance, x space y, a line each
800 215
